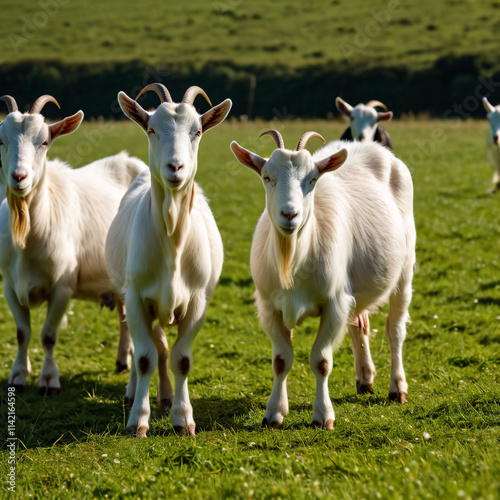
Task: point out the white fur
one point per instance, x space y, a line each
164 252
62 254
350 238
493 142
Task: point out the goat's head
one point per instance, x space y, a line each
24 141
494 118
174 132
289 179
364 118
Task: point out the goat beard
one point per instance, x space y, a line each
286 260
19 218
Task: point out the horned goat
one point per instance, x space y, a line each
164 252
336 239
493 146
53 229
365 122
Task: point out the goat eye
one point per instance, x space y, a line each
313 181
266 178
44 144
150 131
198 134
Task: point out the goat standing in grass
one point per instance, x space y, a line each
493 142
336 239
365 120
53 229
164 252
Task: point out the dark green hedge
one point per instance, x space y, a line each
451 88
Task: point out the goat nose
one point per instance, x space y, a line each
289 215
174 168
19 176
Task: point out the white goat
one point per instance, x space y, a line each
493 142
164 252
52 231
334 245
364 122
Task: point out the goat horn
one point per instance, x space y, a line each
191 94
276 136
41 102
373 104
305 138
488 105
160 90
10 101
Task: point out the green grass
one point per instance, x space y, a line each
73 446
293 34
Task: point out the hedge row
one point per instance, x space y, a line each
453 87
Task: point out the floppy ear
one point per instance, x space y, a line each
66 126
215 115
384 116
332 162
247 158
343 106
133 110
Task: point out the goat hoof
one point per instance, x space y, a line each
276 424
184 431
142 431
131 430
165 404
328 425
364 388
120 367
49 391
399 397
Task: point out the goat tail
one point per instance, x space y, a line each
19 219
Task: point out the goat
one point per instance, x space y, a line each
164 252
364 122
53 228
493 151
336 239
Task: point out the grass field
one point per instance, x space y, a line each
445 443
296 33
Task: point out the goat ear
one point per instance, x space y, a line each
381 117
343 106
247 158
66 126
133 110
487 105
215 115
332 162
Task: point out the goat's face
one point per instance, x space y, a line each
24 141
364 118
174 132
289 179
494 118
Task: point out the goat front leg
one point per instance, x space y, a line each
282 359
125 344
363 363
145 361
49 384
21 368
330 335
181 361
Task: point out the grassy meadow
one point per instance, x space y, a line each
445 443
296 33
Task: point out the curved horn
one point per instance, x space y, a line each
305 138
160 90
276 136
191 94
489 107
373 104
10 101
41 102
